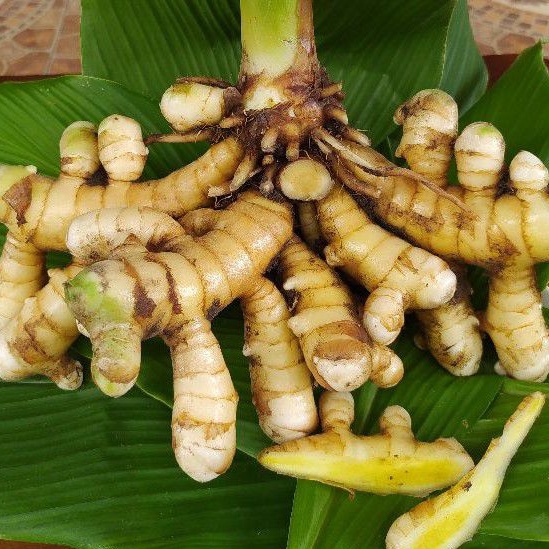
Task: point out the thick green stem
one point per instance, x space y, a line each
269 35
278 51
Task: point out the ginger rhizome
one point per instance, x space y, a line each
281 383
392 462
429 123
175 291
299 141
36 340
38 211
337 350
501 230
163 257
398 275
450 519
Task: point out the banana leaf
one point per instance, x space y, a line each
88 471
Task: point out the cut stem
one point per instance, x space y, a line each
277 42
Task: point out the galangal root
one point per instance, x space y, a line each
450 519
494 219
501 230
429 123
392 462
337 349
36 327
162 281
163 257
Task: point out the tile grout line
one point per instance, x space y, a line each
56 39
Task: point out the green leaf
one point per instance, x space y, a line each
147 44
464 74
383 51
89 471
518 105
28 139
494 542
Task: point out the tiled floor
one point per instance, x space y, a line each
39 37
17 545
509 26
42 36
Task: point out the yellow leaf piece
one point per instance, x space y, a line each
392 462
450 519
